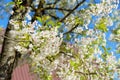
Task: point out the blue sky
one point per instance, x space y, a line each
4 21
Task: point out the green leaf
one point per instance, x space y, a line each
104 56
46 17
10 3
116 31
91 50
74 64
19 2
50 22
84 32
68 37
82 77
49 77
105 50
39 19
59 23
95 42
109 48
102 25
79 21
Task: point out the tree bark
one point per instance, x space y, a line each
8 54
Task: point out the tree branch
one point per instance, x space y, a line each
48 8
71 29
56 1
39 11
66 54
55 17
72 11
85 73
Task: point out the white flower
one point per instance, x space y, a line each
11 12
79 29
90 32
24 23
61 35
17 47
16 26
56 62
31 46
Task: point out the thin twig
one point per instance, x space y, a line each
71 29
50 8
66 54
72 11
56 1
85 73
55 17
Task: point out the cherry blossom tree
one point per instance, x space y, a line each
56 39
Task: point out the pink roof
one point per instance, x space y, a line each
22 73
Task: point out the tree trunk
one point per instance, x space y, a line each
8 54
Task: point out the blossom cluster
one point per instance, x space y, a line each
52 58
